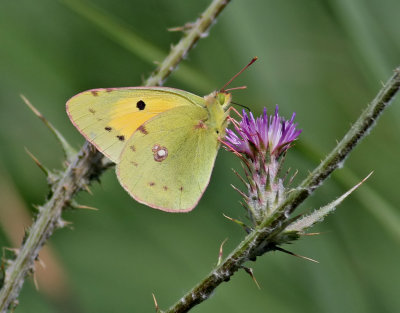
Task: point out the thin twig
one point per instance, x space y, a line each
86 166
261 239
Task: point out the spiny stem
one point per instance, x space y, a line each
197 30
260 240
84 167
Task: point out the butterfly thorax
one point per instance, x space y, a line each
216 103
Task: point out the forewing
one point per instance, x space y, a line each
168 161
108 117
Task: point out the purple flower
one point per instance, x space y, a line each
268 134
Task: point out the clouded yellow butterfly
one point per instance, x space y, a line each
163 140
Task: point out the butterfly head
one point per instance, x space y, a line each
223 98
220 99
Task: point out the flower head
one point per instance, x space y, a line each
272 134
260 143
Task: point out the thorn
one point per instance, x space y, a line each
294 254
155 303
37 208
41 262
63 223
41 166
292 178
13 250
246 228
311 234
86 187
249 178
239 191
86 207
35 282
240 177
250 272
286 174
81 206
221 252
69 152
185 28
363 180
280 164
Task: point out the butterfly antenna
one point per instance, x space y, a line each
240 72
236 88
241 105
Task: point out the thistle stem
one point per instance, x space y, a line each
87 165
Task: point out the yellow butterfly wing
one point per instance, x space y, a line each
167 163
108 117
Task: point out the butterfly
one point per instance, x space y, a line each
164 141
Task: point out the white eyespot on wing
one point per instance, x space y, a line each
160 153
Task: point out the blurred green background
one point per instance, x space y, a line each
325 60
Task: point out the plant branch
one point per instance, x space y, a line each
262 238
196 31
88 164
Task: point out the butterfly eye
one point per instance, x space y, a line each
221 98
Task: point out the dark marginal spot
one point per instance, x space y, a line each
181 188
108 128
151 184
121 137
165 188
140 105
92 111
95 93
132 148
143 130
160 153
109 89
134 163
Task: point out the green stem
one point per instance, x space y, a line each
86 165
197 30
261 239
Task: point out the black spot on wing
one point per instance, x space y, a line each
140 105
121 137
108 128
